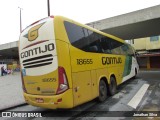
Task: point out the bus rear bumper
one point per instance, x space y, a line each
64 100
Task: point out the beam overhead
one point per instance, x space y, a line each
137 24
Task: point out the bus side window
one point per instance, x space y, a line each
131 51
94 39
127 49
93 48
116 47
105 43
77 35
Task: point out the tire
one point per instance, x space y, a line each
113 86
102 91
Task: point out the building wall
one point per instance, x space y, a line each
148 43
142 61
154 62
151 47
153 43
139 44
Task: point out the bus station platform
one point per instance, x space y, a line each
11 93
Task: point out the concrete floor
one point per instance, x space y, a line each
108 110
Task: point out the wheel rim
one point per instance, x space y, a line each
102 91
113 85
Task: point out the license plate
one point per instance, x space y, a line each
39 100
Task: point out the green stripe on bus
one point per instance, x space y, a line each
128 64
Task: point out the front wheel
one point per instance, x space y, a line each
102 91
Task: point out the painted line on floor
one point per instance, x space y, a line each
138 96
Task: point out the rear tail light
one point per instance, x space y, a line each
23 86
63 81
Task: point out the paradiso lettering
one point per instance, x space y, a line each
37 50
111 60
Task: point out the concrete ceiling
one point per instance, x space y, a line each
136 30
137 24
11 53
9 50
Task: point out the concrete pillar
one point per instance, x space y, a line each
148 63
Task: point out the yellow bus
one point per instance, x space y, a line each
65 63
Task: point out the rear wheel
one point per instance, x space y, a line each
102 91
113 86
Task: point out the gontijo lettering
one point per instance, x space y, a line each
111 60
37 50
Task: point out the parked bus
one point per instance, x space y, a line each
65 63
